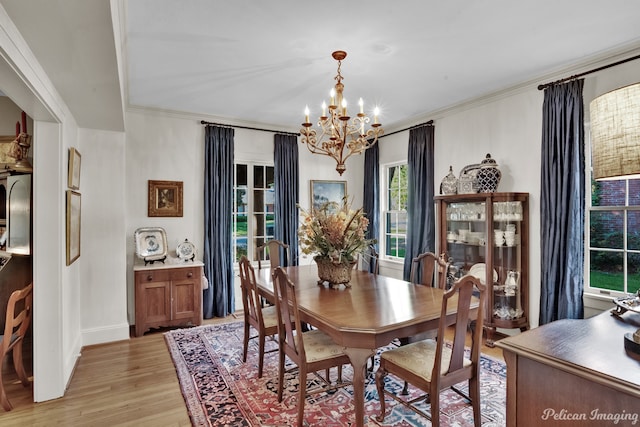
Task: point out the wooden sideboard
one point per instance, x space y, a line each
574 373
168 295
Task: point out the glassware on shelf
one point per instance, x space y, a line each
506 298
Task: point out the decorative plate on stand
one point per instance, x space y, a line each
186 251
151 244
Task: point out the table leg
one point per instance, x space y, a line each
359 358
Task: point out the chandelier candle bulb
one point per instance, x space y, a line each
332 94
361 103
306 114
324 109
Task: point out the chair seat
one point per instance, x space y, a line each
419 357
319 346
270 317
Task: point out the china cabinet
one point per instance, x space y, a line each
487 235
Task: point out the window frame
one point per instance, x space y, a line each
384 204
589 208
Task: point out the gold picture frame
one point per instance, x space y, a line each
73 177
74 204
165 198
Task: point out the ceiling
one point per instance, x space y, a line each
260 63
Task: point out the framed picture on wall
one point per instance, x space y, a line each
74 169
73 226
165 198
327 191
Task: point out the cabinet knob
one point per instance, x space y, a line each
149 278
189 275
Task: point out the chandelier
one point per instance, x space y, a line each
340 135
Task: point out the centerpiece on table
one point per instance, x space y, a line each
335 234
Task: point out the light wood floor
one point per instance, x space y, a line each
125 383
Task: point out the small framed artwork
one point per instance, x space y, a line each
73 226
74 169
165 198
327 191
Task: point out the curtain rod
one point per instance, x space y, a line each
604 67
429 123
203 122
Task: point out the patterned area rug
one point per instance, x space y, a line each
220 390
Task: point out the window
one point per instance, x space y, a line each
395 213
253 212
614 236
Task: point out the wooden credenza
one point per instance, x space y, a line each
168 295
573 373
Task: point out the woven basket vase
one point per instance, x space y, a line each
334 274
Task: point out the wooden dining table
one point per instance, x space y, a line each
370 313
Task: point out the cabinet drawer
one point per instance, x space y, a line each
152 276
189 273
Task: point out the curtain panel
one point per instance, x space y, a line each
562 196
287 180
218 299
371 194
421 224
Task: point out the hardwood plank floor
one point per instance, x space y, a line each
125 383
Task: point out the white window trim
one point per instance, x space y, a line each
384 199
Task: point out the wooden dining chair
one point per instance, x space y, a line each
433 365
427 269
262 319
17 321
430 270
274 249
310 351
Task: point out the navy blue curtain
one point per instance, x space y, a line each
371 194
421 224
218 299
285 168
562 203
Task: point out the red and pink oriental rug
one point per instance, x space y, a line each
220 390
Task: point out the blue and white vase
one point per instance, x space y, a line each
488 176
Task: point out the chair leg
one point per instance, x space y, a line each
4 400
474 393
405 389
246 342
434 395
280 373
302 396
380 374
18 364
261 340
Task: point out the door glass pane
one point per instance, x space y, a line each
258 224
270 177
258 201
258 176
241 225
241 175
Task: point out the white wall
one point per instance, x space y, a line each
103 188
